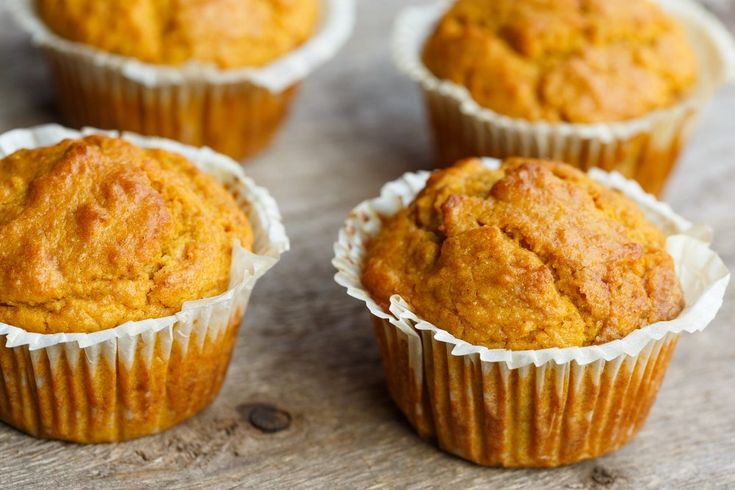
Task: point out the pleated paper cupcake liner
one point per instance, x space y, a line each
145 376
543 407
235 111
645 148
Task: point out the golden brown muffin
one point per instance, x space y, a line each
96 232
580 61
228 33
530 256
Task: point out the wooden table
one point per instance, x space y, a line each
307 348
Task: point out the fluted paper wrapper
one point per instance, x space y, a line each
145 376
234 111
543 407
645 148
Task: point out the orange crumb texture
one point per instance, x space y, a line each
530 256
228 33
95 232
580 61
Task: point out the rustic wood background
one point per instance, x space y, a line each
307 348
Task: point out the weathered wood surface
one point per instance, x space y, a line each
308 348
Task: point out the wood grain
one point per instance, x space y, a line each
308 349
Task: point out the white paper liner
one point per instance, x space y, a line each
701 272
270 241
712 42
338 19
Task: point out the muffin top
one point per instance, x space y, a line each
95 232
228 33
579 61
529 256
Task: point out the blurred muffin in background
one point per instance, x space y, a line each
596 83
220 73
580 62
228 33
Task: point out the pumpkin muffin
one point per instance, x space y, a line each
125 273
96 232
529 256
580 61
216 73
614 84
538 306
228 33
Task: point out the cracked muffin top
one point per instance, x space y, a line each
227 33
529 256
578 61
95 232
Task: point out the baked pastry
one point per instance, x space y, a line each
612 84
575 61
216 73
97 232
228 33
125 272
530 256
525 312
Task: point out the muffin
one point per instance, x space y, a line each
497 259
526 312
591 83
226 33
131 256
219 73
578 62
